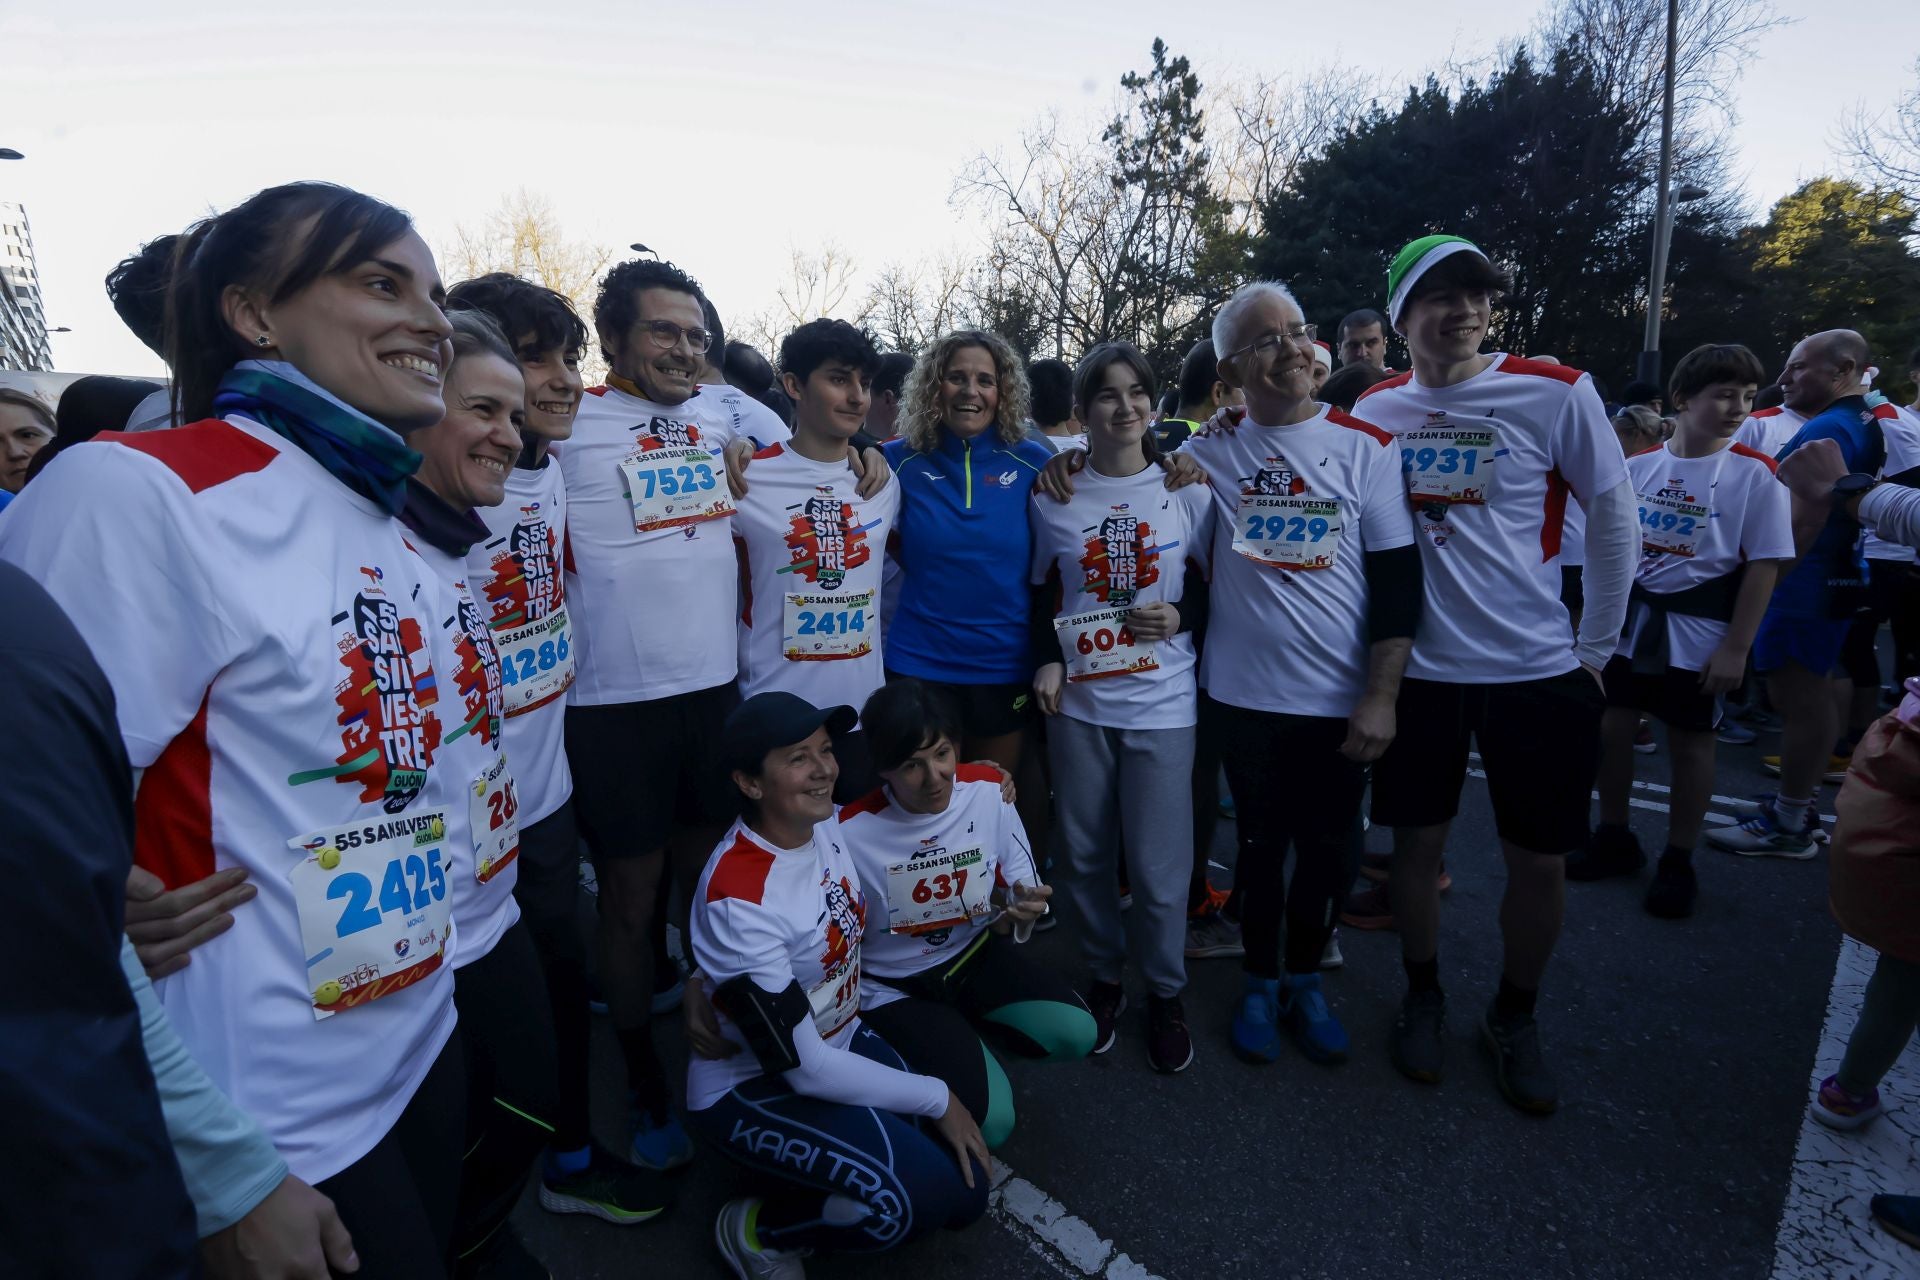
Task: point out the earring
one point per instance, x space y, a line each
263 341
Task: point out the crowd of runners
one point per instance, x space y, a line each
337 657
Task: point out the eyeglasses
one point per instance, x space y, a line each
666 335
1300 335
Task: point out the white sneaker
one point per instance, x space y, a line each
1331 957
749 1263
1761 836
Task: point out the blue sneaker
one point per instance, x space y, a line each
660 1142
1256 1034
1308 1020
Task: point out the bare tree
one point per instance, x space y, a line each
817 285
909 304
1885 148
1272 124
523 236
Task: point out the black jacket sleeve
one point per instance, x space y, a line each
1393 593
1042 648
1195 602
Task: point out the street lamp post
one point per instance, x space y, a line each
640 248
8 153
1648 367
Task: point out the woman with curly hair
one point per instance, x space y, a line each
963 541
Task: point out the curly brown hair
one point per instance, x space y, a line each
920 399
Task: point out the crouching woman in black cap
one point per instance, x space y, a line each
871 1155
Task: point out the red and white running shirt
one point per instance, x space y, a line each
1768 430
1900 427
283 687
1490 464
653 610
1701 519
1120 543
1296 509
483 827
517 581
930 876
814 553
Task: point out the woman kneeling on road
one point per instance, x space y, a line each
800 1088
945 856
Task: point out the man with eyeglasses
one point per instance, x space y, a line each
652 585
1492 447
1315 600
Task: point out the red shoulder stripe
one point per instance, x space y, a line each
741 873
1540 369
1341 418
597 391
771 451
1397 380
1758 456
1553 515
1885 411
1765 413
203 454
978 773
1649 449
875 801
173 814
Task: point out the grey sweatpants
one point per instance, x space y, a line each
1133 781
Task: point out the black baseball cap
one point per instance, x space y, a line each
775 719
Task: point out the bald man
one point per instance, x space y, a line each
1800 638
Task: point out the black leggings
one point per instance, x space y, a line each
1206 800
398 1199
1893 596
502 1000
1291 787
549 895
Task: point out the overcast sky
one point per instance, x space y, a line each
720 134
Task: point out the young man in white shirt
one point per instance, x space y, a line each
1492 447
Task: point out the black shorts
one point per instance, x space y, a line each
1674 695
985 710
1539 743
641 769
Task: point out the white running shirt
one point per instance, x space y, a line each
1768 430
1284 639
1900 427
282 688
517 580
1117 544
1533 435
815 554
1701 519
653 613
931 876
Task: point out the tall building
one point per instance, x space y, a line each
23 325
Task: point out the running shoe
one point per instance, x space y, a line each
1369 909
1331 957
1213 936
1762 836
1304 1011
1417 1043
1610 851
1256 1031
504 1256
1518 1067
1898 1216
1837 767
1761 719
1169 1044
1736 734
1107 1001
660 1142
1835 1108
1643 740
1377 866
1674 888
609 1189
750 1260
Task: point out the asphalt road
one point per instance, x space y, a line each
1683 1051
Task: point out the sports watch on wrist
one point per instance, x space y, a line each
1851 486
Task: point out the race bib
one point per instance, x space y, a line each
1099 644
536 661
374 912
1448 465
674 487
1288 531
821 628
938 890
494 808
836 997
1670 525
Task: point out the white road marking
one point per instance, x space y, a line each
1825 1229
1068 1245
1659 806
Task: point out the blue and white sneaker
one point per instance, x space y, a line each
1304 1011
1760 835
660 1142
1256 1030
